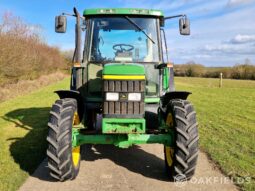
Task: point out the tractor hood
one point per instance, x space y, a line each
124 69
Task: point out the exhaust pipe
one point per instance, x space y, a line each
77 51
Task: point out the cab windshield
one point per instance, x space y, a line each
124 39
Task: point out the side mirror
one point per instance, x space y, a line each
184 25
60 24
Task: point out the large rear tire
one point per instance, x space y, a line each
181 160
63 160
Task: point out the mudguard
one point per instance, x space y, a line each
75 95
174 95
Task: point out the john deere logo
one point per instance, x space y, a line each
123 96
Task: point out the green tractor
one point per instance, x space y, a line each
122 92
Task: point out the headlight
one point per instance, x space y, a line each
112 96
134 96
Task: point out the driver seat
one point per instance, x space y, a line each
123 56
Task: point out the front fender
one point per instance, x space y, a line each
75 95
174 95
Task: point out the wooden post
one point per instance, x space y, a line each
221 75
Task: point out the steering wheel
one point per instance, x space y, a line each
123 47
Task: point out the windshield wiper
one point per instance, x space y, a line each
139 28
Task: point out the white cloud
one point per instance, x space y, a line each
229 49
242 39
232 3
203 56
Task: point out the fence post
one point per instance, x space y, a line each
220 79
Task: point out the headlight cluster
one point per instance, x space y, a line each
130 96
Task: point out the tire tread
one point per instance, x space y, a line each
186 144
59 139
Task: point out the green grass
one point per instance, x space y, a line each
23 123
226 123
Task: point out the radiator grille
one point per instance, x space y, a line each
124 86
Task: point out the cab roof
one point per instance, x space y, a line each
123 11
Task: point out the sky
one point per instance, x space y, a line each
222 31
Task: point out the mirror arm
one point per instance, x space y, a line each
176 16
72 15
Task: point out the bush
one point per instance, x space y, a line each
190 70
243 71
23 54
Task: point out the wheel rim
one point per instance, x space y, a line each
169 120
169 150
76 150
169 155
76 119
76 155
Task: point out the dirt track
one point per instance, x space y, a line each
140 168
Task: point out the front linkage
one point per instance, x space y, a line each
122 140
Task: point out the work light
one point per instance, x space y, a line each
112 96
134 96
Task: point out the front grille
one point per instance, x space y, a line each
124 108
124 86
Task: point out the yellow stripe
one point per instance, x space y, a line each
116 77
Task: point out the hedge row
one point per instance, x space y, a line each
23 53
240 71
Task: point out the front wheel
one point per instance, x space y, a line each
63 159
181 159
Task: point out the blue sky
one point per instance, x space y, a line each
223 31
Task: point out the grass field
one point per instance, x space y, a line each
22 134
226 124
